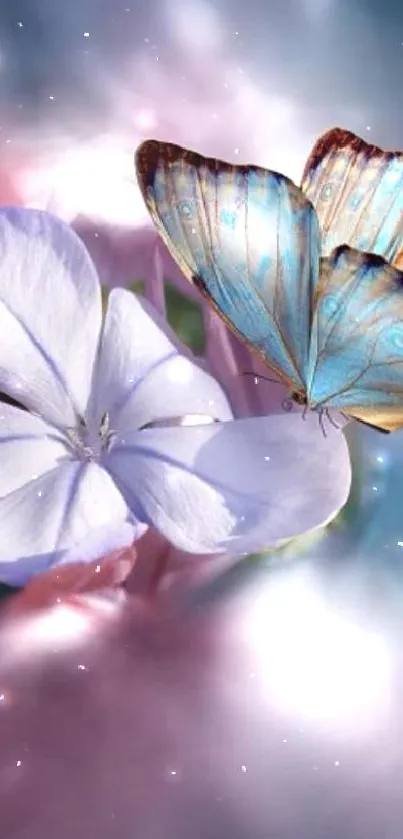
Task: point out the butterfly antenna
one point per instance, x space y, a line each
265 378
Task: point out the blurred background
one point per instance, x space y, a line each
267 703
257 82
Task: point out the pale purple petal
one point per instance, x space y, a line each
238 486
54 514
141 377
102 541
29 447
50 314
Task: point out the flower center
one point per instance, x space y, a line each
89 443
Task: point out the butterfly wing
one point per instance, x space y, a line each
357 190
247 238
356 353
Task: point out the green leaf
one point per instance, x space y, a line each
186 318
137 286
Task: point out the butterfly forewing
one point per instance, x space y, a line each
248 238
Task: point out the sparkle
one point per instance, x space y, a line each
86 34
244 769
375 489
81 667
380 459
20 24
19 762
337 763
400 544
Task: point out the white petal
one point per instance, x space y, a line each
43 519
50 314
141 376
29 447
102 541
238 486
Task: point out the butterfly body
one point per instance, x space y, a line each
327 320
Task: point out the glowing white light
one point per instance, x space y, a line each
61 627
196 419
97 181
314 664
145 120
195 25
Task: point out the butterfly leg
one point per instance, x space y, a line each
331 420
321 412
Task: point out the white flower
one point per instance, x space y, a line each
99 453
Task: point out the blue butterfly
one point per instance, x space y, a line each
330 327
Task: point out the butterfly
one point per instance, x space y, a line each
311 291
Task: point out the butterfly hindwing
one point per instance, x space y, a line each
356 354
248 238
357 190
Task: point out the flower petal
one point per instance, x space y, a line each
29 447
75 512
142 377
238 486
70 580
50 314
